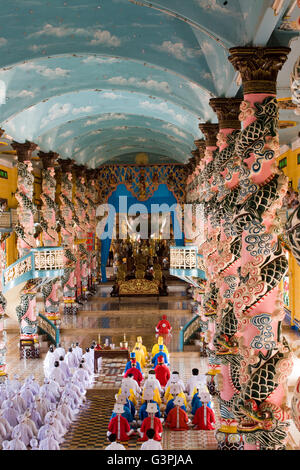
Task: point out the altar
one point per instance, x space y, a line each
109 354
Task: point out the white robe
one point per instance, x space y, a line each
152 384
11 415
7 426
60 351
58 376
132 384
65 369
36 418
78 352
32 425
49 363
28 396
115 446
66 410
17 444
49 443
83 377
25 432
42 433
151 444
71 360
19 404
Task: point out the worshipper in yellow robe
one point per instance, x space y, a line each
139 340
139 355
155 348
175 390
155 397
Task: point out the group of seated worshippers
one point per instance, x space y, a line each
164 402
36 417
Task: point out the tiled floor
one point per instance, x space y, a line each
133 318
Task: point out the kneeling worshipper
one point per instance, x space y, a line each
139 355
71 359
175 379
25 431
160 353
15 444
10 414
113 444
204 416
34 444
57 375
119 425
155 349
154 382
177 419
151 422
6 425
148 398
122 400
175 391
49 442
132 384
131 361
139 340
163 327
162 372
151 444
196 401
65 369
151 386
193 382
49 361
137 374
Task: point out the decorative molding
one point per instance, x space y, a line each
227 111
259 67
210 132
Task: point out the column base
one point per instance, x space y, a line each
70 308
29 350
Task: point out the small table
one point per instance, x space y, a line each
109 353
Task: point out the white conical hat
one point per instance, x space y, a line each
148 394
178 401
121 399
151 408
175 389
118 409
204 397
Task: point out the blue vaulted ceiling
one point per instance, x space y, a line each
102 80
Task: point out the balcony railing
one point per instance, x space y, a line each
47 327
40 262
186 263
189 329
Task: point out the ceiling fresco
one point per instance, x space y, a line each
101 80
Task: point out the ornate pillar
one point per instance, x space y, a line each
260 407
50 234
91 199
226 268
26 310
3 302
82 221
209 247
67 231
24 195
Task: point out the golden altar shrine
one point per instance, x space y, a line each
139 287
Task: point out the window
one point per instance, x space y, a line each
3 174
282 163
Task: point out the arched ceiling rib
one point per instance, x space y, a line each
151 65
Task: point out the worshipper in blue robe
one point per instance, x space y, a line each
160 353
196 403
129 363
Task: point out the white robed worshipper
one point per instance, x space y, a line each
7 426
2 433
49 442
82 376
51 389
60 351
113 444
57 375
27 395
151 444
42 432
42 405
78 351
51 417
195 381
24 430
49 361
66 410
5 445
89 360
32 384
152 383
71 359
30 422
63 419
71 401
87 366
35 416
11 414
174 378
34 444
7 399
65 369
19 403
132 384
14 385
17 442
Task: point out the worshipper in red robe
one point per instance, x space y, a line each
137 375
119 425
151 422
204 416
177 419
162 372
163 327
